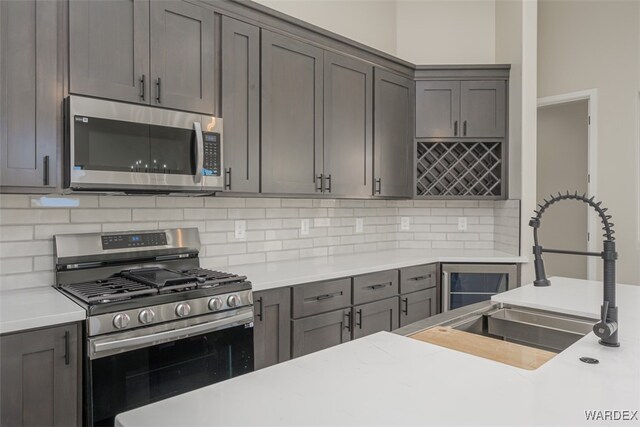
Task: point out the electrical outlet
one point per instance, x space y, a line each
241 229
462 223
304 227
405 223
359 225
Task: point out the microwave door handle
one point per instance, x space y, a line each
197 128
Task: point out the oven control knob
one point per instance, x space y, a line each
233 301
121 320
183 309
146 316
215 304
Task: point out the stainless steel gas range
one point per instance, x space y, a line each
157 323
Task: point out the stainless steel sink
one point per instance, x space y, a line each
537 328
534 328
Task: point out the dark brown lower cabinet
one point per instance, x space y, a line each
418 305
272 329
321 331
375 317
39 377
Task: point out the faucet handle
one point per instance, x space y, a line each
604 329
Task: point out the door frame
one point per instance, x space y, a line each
591 96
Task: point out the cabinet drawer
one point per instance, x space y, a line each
416 278
375 286
319 332
319 297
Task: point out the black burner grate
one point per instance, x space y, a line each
209 278
111 289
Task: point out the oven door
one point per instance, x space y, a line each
117 146
129 371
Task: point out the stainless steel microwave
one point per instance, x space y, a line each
112 146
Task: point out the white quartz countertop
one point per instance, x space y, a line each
31 308
270 275
390 380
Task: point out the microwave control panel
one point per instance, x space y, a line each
211 163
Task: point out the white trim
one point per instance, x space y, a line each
591 96
638 170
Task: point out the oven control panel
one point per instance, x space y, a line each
211 160
138 240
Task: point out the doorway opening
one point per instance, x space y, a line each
566 160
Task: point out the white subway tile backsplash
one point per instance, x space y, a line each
246 213
48 231
27 224
16 265
127 202
10 233
14 201
33 216
102 215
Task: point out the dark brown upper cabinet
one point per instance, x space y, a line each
348 126
461 109
30 95
437 109
159 52
394 99
483 106
241 105
291 115
109 49
182 56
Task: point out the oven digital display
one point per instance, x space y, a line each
121 241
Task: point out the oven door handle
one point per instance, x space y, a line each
109 346
197 128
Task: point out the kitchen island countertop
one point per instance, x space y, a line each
388 379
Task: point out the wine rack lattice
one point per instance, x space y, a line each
459 169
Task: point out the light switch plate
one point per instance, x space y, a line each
241 229
405 223
462 223
304 227
359 225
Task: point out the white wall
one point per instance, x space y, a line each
446 31
372 22
596 45
419 31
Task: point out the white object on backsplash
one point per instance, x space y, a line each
304 226
405 223
359 225
241 229
462 223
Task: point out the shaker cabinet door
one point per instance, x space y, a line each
30 94
241 105
182 56
375 317
393 134
39 377
348 126
109 49
483 106
418 305
322 331
437 109
291 115
272 328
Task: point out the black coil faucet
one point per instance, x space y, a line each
607 328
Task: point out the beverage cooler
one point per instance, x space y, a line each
464 284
